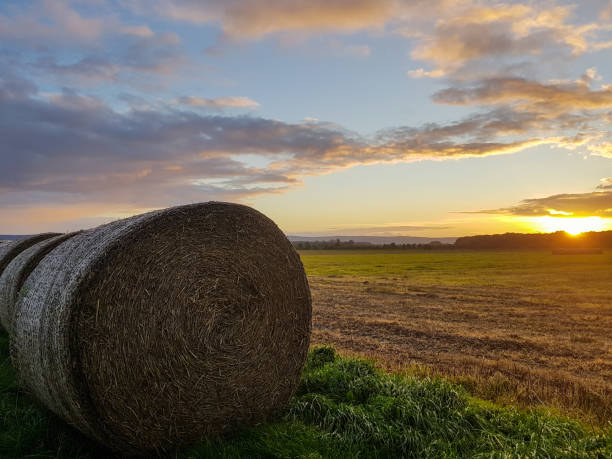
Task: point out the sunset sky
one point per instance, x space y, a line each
364 117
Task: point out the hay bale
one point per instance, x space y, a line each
10 249
154 331
17 271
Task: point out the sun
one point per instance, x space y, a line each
571 225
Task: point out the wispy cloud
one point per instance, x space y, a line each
524 105
59 22
601 149
55 39
606 184
528 95
593 204
606 11
217 102
381 230
256 19
338 47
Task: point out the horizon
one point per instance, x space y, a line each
354 117
344 237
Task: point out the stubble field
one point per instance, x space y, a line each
515 327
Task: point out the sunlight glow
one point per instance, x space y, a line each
571 225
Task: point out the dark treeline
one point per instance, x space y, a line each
337 244
558 240
507 241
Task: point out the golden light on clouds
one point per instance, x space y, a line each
571 225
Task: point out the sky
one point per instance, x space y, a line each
333 117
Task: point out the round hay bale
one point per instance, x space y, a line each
158 330
11 249
17 271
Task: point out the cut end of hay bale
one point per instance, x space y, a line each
181 324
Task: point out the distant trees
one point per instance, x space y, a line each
337 244
507 241
549 241
331 244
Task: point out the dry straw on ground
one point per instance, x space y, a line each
154 331
18 270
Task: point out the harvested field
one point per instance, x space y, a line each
529 327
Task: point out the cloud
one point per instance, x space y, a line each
602 149
217 102
480 33
606 11
606 184
54 39
528 95
49 20
44 23
76 148
338 47
480 39
381 230
527 106
253 19
89 68
593 204
422 73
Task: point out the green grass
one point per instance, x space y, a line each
343 408
537 269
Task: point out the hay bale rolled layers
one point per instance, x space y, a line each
17 271
10 249
154 331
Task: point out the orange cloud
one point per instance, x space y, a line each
528 95
253 19
218 102
606 11
500 31
593 204
606 184
603 149
422 73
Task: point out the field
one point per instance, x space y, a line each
343 408
515 327
518 329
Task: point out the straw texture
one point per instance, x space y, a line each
17 271
152 332
11 249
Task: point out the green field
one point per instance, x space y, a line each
532 269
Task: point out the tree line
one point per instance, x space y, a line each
507 241
557 240
337 244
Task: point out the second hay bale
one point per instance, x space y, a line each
154 331
16 272
10 249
